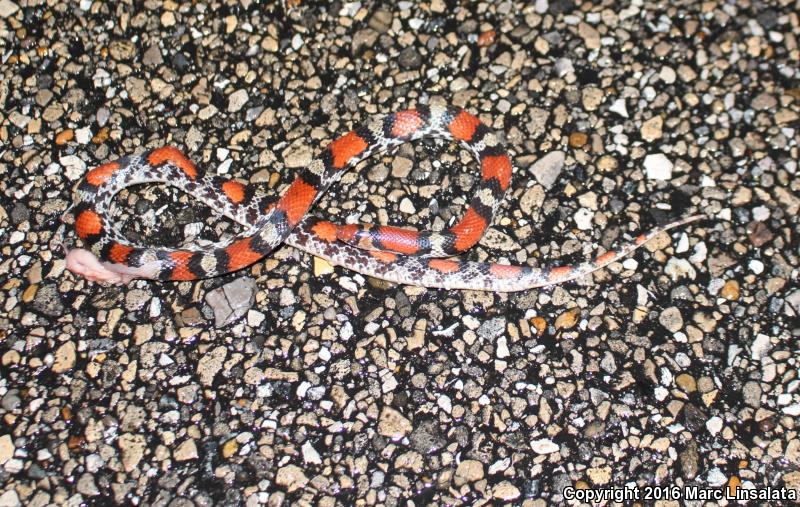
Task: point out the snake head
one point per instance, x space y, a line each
86 264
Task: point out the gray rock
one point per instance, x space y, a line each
547 169
48 301
232 301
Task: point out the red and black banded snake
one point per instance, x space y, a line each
394 254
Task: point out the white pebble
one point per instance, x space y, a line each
73 165
544 446
415 23
683 243
297 42
761 213
583 219
224 167
642 296
667 75
16 237
406 206
630 264
444 403
84 135
793 410
619 107
714 425
502 347
255 318
310 455
658 167
700 253
679 268
155 308
707 181
756 266
760 347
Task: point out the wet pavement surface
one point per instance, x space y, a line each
294 383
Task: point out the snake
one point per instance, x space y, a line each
395 254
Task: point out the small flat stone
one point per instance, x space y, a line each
592 97
764 101
547 169
393 424
381 21
64 136
759 233
568 319
310 455
505 491
132 447
590 36
291 477
210 364
544 446
186 451
406 206
152 57
10 498
487 38
64 357
679 268
671 319
237 100
468 471
8 8
651 129
6 448
232 301
322 267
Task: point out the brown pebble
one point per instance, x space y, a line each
686 382
730 290
30 293
758 233
733 483
101 136
487 38
539 324
75 442
568 319
230 448
65 136
578 139
766 425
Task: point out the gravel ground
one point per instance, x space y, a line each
293 383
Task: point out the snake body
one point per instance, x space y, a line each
390 253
